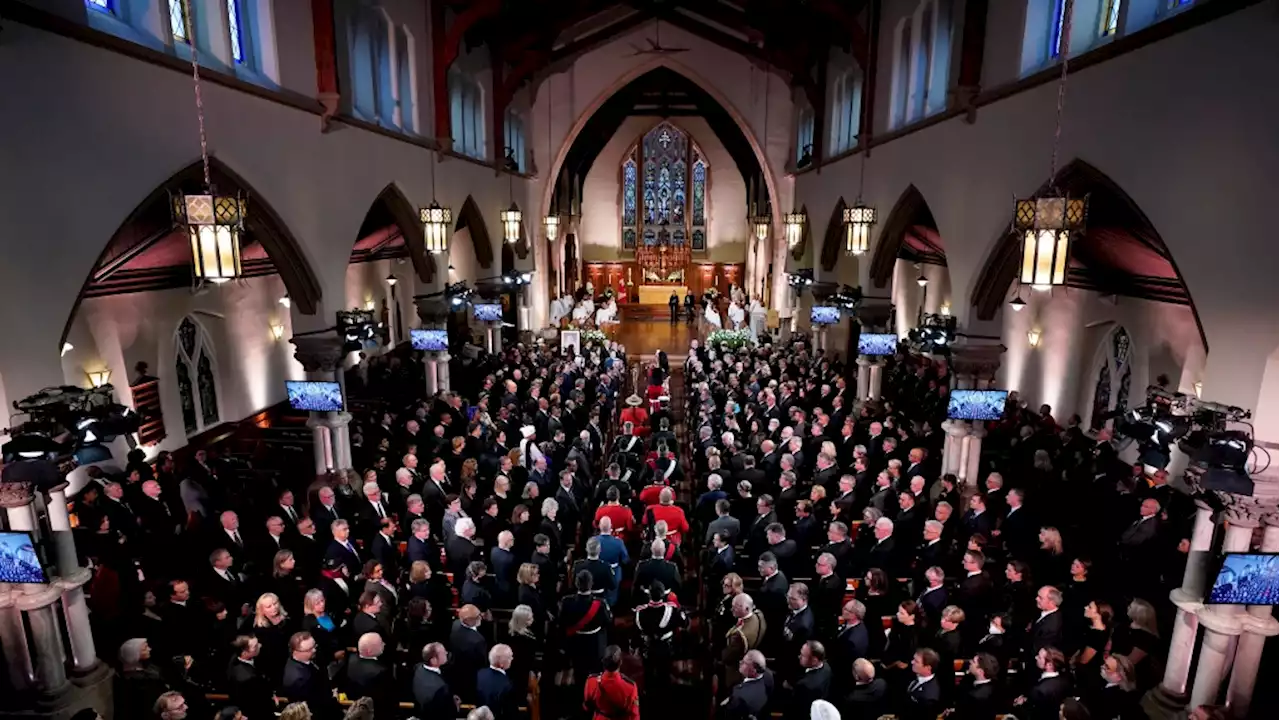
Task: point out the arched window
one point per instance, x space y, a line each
921 70
804 133
178 21
407 97
1113 377
514 130
846 109
466 111
375 75
195 368
665 193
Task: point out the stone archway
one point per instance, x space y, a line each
472 220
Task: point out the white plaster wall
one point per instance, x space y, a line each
117 331
1074 325
1266 419
1179 125
602 195
106 130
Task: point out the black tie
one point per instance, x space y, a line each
380 513
292 515
235 535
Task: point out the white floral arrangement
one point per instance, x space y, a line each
735 339
594 336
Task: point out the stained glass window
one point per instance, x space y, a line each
665 151
233 27
197 377
1101 397
1120 347
178 20
629 192
1110 17
1055 30
99 5
699 192
1115 375
664 190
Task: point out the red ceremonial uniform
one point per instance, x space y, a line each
611 696
624 523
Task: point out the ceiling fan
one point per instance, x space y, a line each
655 45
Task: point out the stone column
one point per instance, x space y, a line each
49 675
1172 692
877 372
321 356
442 368
84 657
13 639
1257 625
429 363
1222 624
494 337
60 525
321 446
953 446
864 377
971 454
340 436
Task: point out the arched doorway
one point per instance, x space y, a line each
912 255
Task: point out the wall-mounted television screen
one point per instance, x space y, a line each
430 340
488 312
877 344
1247 579
18 560
317 396
824 315
976 404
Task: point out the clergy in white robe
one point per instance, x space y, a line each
737 316
712 315
759 318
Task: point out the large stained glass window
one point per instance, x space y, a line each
664 191
195 369
178 21
1115 374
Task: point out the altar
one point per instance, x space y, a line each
659 294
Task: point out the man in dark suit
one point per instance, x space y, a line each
797 628
869 696
924 692
505 565
853 641
343 550
421 546
884 554
307 549
813 682
790 561
494 689
976 698
721 563
827 595
724 523
325 511
178 617
974 594
385 548
223 584
365 675
1046 630
305 682
246 687
749 698
655 567
934 596
1018 530
1045 696
432 696
460 550
772 600
370 618
470 652
977 521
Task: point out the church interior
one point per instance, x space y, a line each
1071 201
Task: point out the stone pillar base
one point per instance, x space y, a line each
91 688
1161 704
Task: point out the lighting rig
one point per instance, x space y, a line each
800 279
934 334
848 299
358 328
62 422
1219 455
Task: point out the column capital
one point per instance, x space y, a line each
863 361
339 419
43 597
16 494
956 428
318 353
59 488
317 421
977 358
1219 622
432 312
77 578
1265 626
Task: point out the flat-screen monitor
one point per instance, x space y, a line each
976 404
877 344
18 560
488 312
317 396
430 340
824 315
1247 579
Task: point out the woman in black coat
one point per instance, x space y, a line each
435 589
528 593
526 649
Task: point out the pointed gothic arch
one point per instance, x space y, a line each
806 232
905 234
391 228
472 220
833 236
1111 374
195 367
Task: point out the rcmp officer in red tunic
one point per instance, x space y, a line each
611 695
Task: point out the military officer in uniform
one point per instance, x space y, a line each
611 695
586 619
658 620
602 577
743 637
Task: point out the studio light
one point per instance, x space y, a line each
98 378
213 223
793 223
857 228
511 224
435 227
945 310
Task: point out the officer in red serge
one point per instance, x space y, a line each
611 695
586 620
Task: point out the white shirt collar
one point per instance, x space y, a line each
1047 675
973 572
922 679
435 670
504 672
1046 613
930 589
981 682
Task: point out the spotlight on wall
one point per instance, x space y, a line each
98 378
1199 388
1033 337
277 331
66 348
285 301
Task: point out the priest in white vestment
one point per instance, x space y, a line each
737 316
759 318
712 315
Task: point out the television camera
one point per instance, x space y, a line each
67 420
1218 454
934 334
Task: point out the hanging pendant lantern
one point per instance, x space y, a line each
551 226
1046 225
511 224
793 222
214 224
435 227
760 227
858 220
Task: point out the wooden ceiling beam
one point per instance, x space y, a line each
724 16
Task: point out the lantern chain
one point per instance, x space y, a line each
1064 49
862 132
189 18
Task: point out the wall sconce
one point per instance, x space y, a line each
369 304
277 331
286 302
1199 388
99 378
945 310
1033 337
